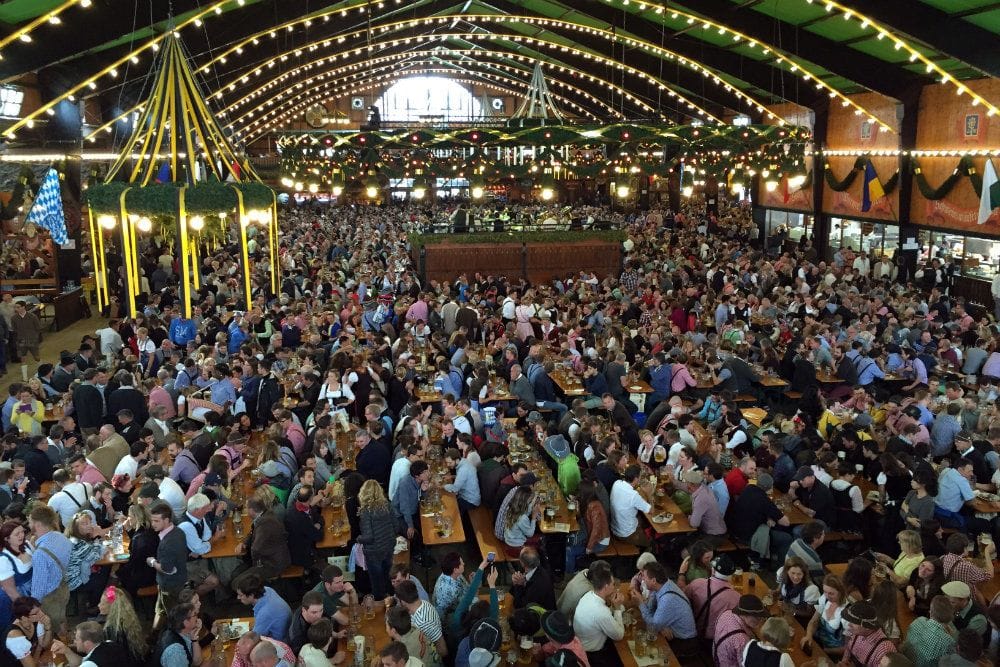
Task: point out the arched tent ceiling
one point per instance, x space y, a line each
611 58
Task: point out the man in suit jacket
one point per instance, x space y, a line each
534 584
157 423
127 397
128 428
112 450
265 551
88 403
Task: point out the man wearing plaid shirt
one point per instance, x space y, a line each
930 639
735 628
868 644
956 567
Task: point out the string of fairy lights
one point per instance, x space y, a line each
468 57
51 17
471 36
564 45
316 88
369 82
111 71
379 65
880 31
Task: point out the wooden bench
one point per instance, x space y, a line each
620 549
746 398
840 536
728 546
482 524
794 395
292 572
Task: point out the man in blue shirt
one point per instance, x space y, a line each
667 611
49 561
237 334
8 406
954 491
945 428
868 370
224 390
182 331
466 484
271 614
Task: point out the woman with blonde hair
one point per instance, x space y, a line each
121 624
377 535
910 556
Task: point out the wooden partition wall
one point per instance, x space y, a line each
538 262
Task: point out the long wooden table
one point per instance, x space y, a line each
428 528
624 646
568 383
678 524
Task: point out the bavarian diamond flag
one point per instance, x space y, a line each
47 209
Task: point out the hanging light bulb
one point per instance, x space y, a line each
418 192
477 192
107 221
313 188
337 191
623 191
196 222
687 190
771 185
547 194
144 225
298 186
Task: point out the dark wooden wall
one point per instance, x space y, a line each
538 262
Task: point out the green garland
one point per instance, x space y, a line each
420 240
207 198
859 167
964 169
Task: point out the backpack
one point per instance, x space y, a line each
568 474
848 371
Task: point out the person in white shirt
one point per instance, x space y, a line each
71 497
139 453
598 618
199 536
110 340
170 491
401 467
626 503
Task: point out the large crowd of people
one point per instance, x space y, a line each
781 385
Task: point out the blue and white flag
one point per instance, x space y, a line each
47 209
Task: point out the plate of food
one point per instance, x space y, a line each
663 518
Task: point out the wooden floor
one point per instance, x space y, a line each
53 343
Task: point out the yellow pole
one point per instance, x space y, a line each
96 258
196 279
136 266
272 230
241 220
102 275
185 253
127 253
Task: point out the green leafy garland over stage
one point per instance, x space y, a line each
577 151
